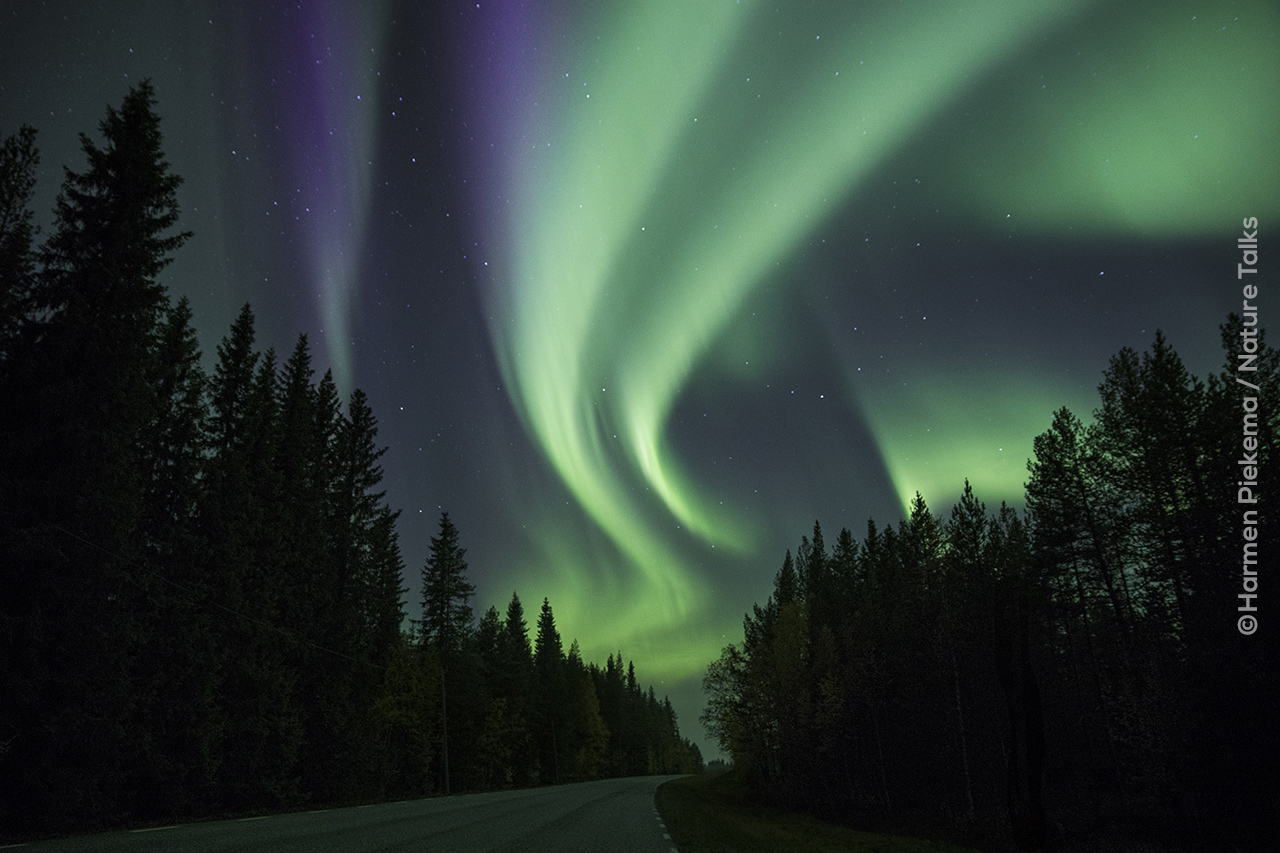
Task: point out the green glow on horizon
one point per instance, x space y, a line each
939 431
608 608
673 165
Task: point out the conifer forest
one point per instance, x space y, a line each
203 594
201 586
1071 673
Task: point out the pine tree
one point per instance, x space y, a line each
549 664
231 383
177 436
18 606
308 576
261 723
446 614
89 323
19 159
493 752
844 570
514 683
488 637
815 578
178 665
446 623
383 586
362 527
315 604
587 738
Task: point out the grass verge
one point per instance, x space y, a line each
716 814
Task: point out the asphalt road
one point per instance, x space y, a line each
611 815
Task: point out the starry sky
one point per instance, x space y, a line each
639 291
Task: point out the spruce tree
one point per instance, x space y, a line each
19 159
78 488
514 683
262 725
231 383
383 586
446 613
309 591
549 664
178 665
586 735
488 636
447 625
363 534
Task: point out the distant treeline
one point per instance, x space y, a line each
521 714
200 582
1075 671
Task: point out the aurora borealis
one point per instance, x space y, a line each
640 290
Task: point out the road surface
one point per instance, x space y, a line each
591 817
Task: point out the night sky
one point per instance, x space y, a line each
639 291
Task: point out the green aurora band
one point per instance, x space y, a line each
681 151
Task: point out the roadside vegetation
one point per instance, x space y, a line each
717 813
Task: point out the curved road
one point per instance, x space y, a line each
610 815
